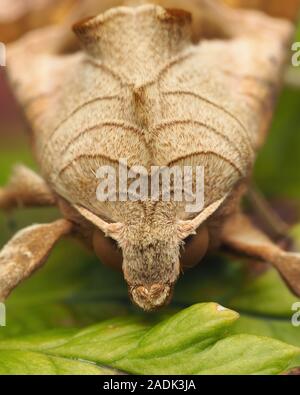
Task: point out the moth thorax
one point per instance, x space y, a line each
124 37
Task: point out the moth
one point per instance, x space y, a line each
194 86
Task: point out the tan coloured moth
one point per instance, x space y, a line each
157 86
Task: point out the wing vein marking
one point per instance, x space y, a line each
183 157
159 127
52 134
162 71
109 70
85 156
80 107
167 67
118 124
197 96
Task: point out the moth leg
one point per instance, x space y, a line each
277 228
27 251
241 235
25 188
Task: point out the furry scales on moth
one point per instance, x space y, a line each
143 90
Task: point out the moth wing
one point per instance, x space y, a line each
218 100
35 69
264 42
213 95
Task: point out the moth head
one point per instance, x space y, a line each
151 251
151 266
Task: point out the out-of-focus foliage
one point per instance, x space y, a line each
298 35
277 167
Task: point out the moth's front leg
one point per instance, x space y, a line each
241 235
27 251
275 226
25 188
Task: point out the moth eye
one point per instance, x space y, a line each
195 248
188 240
107 250
113 243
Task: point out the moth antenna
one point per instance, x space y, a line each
109 229
187 228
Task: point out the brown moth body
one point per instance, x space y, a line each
147 88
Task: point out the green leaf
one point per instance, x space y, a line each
272 327
31 363
193 341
